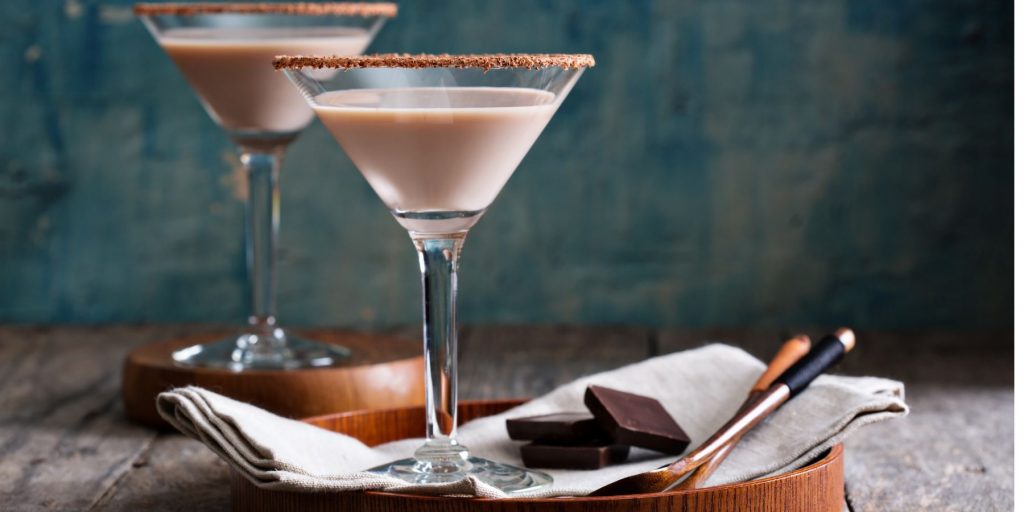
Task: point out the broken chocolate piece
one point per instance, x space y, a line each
595 455
557 428
635 420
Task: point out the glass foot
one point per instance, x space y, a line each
510 479
262 352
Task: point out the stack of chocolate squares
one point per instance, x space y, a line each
617 421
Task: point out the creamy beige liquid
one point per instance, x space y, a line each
230 70
433 149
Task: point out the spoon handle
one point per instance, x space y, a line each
823 355
789 353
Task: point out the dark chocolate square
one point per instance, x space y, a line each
593 456
635 420
556 428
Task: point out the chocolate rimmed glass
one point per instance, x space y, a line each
437 137
224 51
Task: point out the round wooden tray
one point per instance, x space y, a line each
815 488
383 372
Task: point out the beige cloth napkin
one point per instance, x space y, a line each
700 388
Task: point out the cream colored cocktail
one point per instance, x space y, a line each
229 69
433 149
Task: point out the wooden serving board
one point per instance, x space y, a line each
815 488
382 372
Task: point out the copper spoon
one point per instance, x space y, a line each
823 355
789 353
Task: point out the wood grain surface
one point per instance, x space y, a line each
65 445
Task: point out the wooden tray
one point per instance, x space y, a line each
383 372
815 488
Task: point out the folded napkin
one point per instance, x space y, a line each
700 388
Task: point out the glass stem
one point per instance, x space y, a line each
439 263
262 212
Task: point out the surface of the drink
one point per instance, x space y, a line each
230 70
436 149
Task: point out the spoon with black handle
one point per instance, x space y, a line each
823 355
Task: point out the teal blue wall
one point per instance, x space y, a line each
771 162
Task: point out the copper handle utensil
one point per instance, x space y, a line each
794 380
789 353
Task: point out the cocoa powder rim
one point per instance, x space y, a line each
365 9
421 61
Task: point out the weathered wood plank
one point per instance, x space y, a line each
507 361
174 473
63 445
63 441
953 453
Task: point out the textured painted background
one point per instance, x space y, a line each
769 162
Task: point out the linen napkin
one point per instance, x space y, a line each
700 388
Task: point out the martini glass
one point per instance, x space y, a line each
224 51
437 137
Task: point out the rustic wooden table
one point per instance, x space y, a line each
64 444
